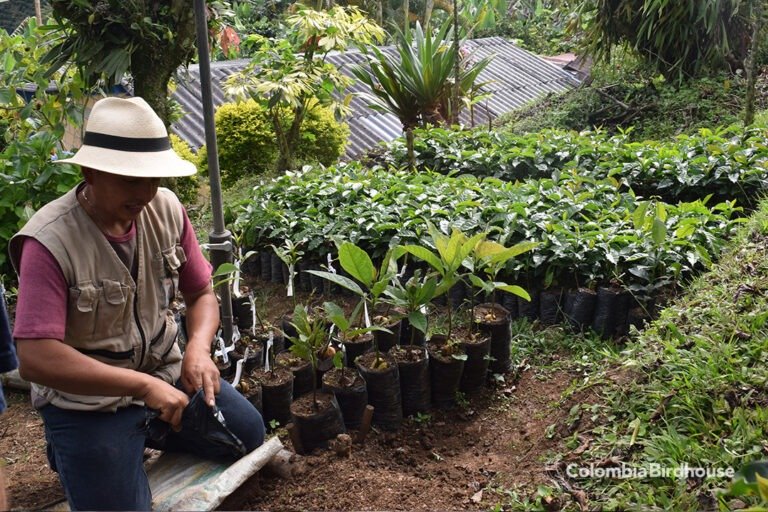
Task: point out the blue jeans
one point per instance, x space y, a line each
99 455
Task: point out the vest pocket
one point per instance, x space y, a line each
162 345
168 266
97 312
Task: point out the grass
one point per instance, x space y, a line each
691 390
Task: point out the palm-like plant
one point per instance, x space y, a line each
415 84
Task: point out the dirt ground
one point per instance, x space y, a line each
463 458
466 458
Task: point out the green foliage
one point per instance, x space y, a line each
322 137
291 74
729 163
108 39
33 131
413 296
416 86
542 30
310 341
246 139
679 39
643 106
692 391
186 188
30 180
587 228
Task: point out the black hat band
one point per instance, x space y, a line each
136 145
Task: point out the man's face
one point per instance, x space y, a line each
121 198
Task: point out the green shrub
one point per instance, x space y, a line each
728 163
322 137
246 140
631 98
29 180
185 187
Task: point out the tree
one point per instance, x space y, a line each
758 23
416 84
148 39
291 75
679 39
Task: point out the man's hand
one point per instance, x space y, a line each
165 398
198 371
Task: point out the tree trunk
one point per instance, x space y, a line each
406 16
428 7
409 148
153 64
757 25
286 160
456 68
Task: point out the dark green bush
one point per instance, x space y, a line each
322 137
246 140
185 188
626 98
29 180
729 163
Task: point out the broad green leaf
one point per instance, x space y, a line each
638 216
516 290
659 231
225 269
426 255
418 320
342 281
335 314
357 263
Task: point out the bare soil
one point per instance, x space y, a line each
464 458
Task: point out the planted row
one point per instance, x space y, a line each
588 231
731 163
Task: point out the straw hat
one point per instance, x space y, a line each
126 137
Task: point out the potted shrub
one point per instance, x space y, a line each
372 284
276 390
378 369
412 297
316 415
345 382
289 254
446 353
491 319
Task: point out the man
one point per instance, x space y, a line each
7 363
98 269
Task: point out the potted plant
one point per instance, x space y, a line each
276 389
372 284
412 297
316 415
345 382
289 254
446 353
377 368
242 303
491 319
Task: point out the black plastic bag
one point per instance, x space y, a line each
198 418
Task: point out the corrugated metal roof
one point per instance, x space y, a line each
515 77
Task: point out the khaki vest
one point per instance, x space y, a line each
111 317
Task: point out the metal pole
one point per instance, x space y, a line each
220 238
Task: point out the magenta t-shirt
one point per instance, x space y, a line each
41 309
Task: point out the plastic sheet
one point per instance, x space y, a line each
180 481
185 482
